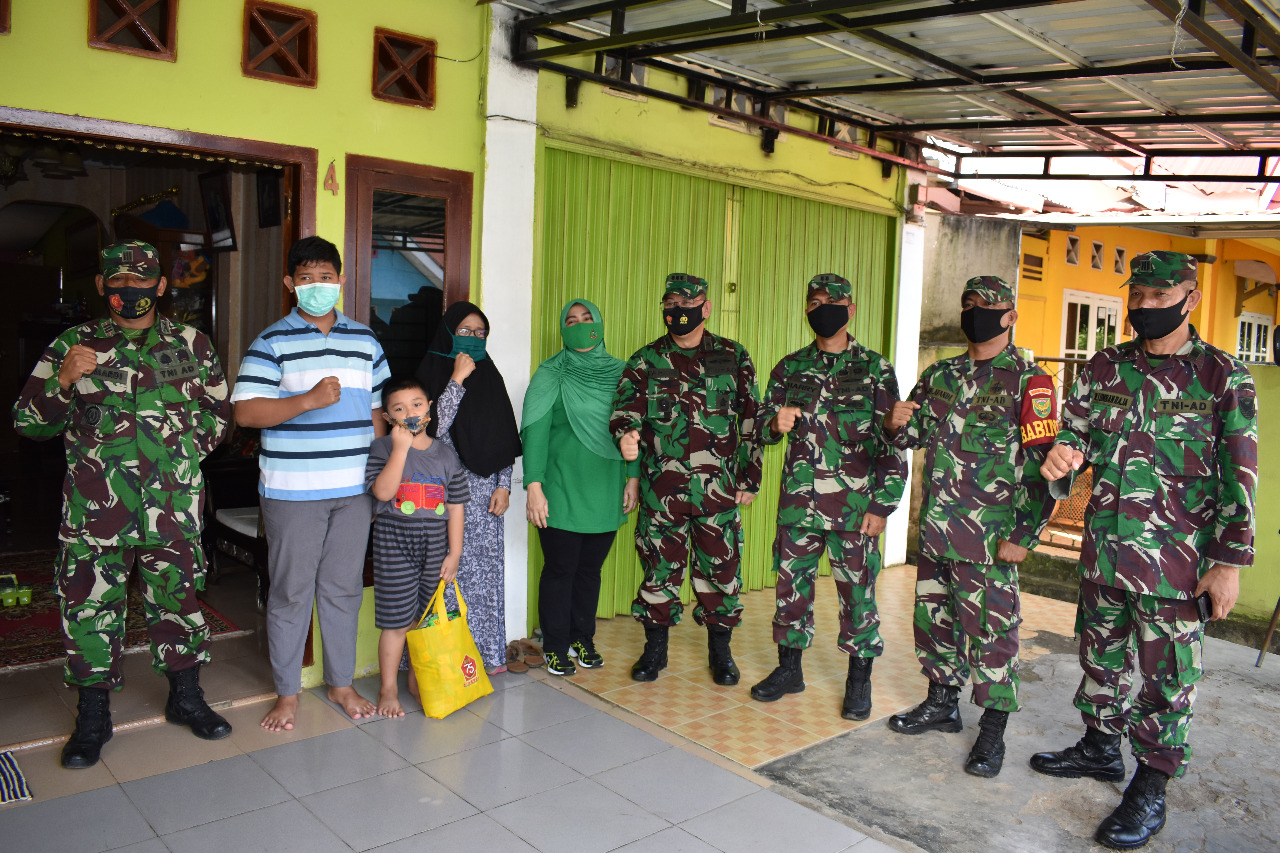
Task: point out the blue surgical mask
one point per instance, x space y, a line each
318 299
474 347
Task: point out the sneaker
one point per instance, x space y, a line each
585 652
560 665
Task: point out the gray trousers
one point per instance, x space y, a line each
316 551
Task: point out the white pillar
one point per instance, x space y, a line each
906 360
506 266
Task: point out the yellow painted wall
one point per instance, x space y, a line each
1260 585
46 65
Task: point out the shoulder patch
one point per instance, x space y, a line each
1039 415
1248 407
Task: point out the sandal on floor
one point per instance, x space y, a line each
532 652
515 658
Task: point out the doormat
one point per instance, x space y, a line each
13 785
32 633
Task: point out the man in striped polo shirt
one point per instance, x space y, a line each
312 382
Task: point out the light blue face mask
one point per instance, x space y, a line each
318 299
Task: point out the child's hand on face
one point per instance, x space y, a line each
449 569
401 438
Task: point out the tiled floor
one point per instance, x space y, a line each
727 721
538 765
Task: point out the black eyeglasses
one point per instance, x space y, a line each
472 333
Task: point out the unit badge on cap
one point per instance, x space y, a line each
1144 265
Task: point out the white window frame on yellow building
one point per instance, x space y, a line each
1255 328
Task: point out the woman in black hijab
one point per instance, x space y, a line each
471 412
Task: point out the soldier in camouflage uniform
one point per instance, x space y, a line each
1169 425
140 400
686 406
985 419
840 481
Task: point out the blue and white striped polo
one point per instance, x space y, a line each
322 453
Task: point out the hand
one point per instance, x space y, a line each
743 498
79 361
463 365
899 416
1007 552
401 438
1223 585
629 445
325 393
500 501
535 505
1060 461
449 569
631 494
785 420
872 524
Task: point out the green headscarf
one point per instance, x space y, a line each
585 381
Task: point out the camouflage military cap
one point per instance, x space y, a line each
991 288
683 284
130 257
1161 269
837 287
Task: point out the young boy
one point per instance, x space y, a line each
312 382
422 490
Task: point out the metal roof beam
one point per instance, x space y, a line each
581 12
1261 28
1131 69
1093 121
1215 41
1081 176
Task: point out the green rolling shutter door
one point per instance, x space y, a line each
612 230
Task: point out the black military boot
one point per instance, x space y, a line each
723 670
186 706
787 678
940 711
987 756
1140 815
1097 754
93 729
654 657
857 689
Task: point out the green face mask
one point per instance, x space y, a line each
474 347
583 335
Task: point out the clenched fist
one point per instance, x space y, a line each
785 420
899 416
1060 461
78 362
463 366
325 393
629 444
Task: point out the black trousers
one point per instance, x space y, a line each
569 588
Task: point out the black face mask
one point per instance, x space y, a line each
828 319
982 324
682 321
1153 324
132 303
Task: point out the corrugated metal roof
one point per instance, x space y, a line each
979 52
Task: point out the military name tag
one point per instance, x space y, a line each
111 374
992 400
1183 406
664 375
177 371
853 388
1116 401
720 363
941 394
801 390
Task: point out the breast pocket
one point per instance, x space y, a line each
852 421
1184 445
1105 424
719 392
986 439
664 394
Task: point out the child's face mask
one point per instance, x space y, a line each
415 424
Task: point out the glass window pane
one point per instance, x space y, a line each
1082 334
406 275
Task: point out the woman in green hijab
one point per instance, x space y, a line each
580 489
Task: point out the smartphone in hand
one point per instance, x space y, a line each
1204 604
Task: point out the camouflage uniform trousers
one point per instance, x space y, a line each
855 564
663 541
1163 636
92 588
966 623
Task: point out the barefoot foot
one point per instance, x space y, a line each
280 717
356 706
389 702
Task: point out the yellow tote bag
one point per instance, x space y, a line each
445 658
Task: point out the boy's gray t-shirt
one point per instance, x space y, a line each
431 479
